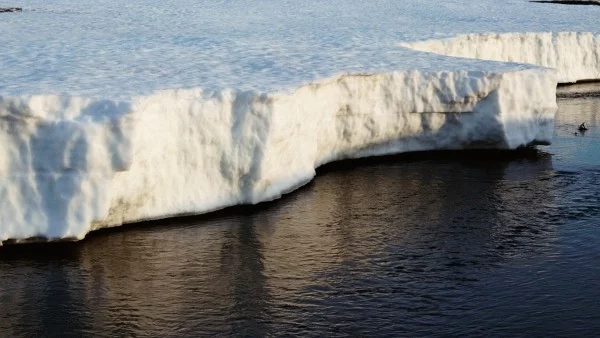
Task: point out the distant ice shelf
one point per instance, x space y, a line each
71 164
575 56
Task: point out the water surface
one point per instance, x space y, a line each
451 243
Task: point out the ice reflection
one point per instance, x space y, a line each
398 230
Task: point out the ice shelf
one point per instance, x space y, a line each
75 157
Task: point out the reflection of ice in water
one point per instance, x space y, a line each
404 235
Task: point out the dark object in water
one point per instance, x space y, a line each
10 9
569 2
582 127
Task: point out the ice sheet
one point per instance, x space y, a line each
152 109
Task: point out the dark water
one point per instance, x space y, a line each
478 244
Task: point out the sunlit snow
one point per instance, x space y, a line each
114 113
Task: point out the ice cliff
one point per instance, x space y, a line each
70 164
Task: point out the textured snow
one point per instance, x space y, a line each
116 51
576 56
111 115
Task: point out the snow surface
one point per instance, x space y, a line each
576 56
111 115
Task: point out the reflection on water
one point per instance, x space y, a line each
417 245
580 103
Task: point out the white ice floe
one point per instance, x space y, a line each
576 56
100 127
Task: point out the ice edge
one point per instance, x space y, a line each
71 165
